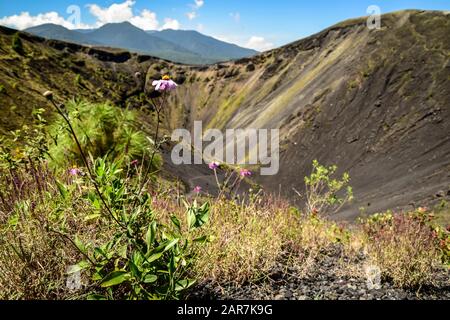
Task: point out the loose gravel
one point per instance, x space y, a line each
323 283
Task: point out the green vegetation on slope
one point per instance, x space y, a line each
103 131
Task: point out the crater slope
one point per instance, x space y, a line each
374 102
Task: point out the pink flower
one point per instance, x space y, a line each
198 189
134 162
214 165
245 173
74 171
165 84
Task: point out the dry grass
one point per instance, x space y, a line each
37 230
404 247
247 239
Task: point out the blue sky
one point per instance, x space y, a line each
260 24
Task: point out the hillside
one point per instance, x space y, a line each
188 47
375 103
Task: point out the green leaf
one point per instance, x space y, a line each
94 200
100 251
150 278
172 266
191 219
151 235
171 244
203 217
78 267
62 190
176 222
79 244
134 269
13 220
137 258
154 257
122 251
184 284
203 239
92 217
96 277
115 278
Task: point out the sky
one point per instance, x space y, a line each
256 24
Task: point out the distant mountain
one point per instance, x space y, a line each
57 32
127 36
84 30
204 45
188 47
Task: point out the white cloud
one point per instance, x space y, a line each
199 3
120 12
195 7
236 16
146 21
259 43
170 24
25 20
254 42
117 12
191 15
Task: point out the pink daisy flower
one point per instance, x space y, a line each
74 171
214 165
165 84
245 173
198 189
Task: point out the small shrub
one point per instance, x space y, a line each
103 130
17 45
322 190
144 258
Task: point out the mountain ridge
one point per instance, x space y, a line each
166 44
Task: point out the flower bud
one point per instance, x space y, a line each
48 95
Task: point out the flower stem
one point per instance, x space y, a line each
155 149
